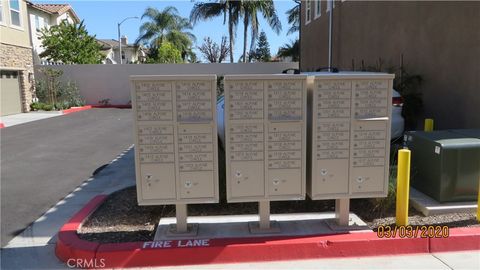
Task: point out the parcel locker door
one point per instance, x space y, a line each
158 181
332 177
247 179
369 158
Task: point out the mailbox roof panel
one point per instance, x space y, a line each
266 77
173 77
351 75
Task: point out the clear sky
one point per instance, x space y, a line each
101 18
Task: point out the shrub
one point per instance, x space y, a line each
47 107
61 95
35 106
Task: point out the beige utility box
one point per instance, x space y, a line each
349 134
175 139
265 137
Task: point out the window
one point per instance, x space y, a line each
1 12
15 13
330 4
308 11
318 8
37 23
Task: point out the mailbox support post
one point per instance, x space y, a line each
181 215
342 211
264 213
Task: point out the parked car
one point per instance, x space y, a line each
398 123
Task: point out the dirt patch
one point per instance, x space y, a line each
120 219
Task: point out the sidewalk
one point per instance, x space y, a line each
21 118
35 247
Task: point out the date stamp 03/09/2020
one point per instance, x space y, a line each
413 231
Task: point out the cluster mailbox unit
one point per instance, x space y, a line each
265 139
271 154
175 140
349 135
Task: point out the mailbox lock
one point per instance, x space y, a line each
238 174
276 181
323 172
360 179
188 184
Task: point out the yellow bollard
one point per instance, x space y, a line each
403 187
478 202
428 125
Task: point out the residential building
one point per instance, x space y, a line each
44 16
131 53
16 63
438 40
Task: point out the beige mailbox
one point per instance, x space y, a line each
349 135
265 136
175 139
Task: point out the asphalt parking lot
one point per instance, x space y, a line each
44 160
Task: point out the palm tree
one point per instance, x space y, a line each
166 25
228 8
294 18
290 50
249 10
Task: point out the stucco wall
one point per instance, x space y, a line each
11 34
439 40
98 82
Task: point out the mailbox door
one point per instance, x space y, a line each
157 181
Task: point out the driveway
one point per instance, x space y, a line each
42 161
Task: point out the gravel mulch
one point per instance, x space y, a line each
120 219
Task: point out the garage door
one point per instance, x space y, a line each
9 93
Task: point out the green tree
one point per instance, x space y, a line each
228 8
293 16
249 11
167 26
290 50
169 54
70 44
262 53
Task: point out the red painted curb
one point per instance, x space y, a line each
2 125
231 250
69 246
458 239
123 106
257 249
76 109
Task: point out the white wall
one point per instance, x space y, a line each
44 21
98 82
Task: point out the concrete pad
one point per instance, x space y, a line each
21 118
461 259
236 226
420 261
428 206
